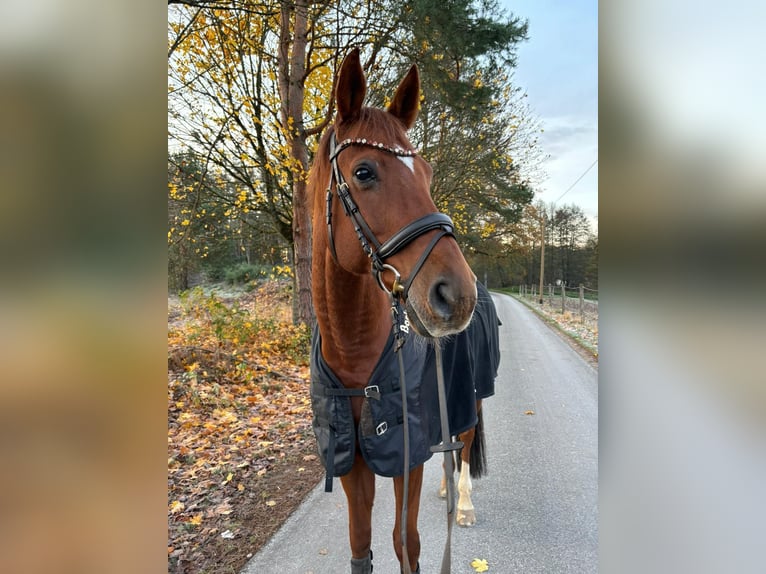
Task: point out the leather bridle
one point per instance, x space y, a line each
376 251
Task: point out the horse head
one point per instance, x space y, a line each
382 186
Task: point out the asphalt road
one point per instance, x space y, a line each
537 510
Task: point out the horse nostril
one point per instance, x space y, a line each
443 299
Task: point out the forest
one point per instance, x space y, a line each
249 94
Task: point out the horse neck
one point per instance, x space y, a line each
354 320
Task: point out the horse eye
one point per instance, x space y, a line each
364 174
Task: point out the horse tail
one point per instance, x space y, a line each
478 456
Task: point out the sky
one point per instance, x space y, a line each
558 68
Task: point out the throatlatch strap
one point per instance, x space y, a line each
330 462
328 221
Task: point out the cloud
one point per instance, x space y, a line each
571 143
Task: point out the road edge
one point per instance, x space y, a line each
581 348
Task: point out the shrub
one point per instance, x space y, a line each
228 328
245 272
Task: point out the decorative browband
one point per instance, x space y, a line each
377 145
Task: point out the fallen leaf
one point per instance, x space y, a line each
224 508
480 565
323 551
529 412
229 414
228 535
309 457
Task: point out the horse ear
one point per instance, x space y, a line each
351 88
407 98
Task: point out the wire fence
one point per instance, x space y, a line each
581 302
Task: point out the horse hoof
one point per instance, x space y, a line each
466 518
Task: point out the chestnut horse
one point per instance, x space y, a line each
372 204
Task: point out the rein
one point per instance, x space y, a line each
378 253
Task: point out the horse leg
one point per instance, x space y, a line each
466 516
443 485
413 506
359 486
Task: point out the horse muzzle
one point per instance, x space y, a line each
448 309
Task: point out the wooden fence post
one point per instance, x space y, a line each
563 297
582 303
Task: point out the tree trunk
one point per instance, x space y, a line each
292 66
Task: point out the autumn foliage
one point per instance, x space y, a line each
239 423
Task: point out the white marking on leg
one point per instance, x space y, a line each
466 515
465 487
408 161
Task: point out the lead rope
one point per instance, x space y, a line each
401 330
401 327
447 446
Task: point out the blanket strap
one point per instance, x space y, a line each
330 469
330 463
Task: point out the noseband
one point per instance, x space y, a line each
376 251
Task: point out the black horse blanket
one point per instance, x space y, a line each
470 360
